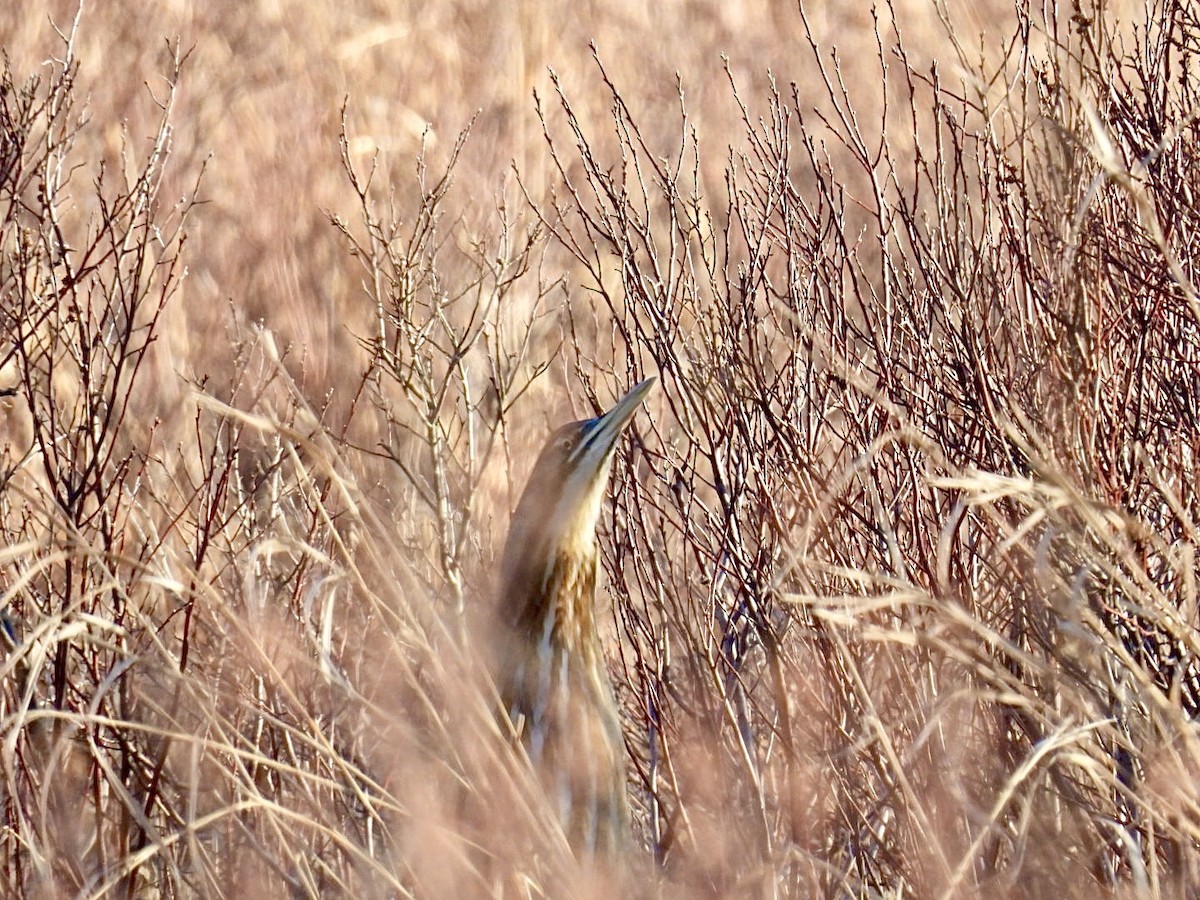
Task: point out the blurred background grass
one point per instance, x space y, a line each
265 83
901 555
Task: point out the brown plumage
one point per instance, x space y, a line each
552 675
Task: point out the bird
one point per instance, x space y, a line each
552 678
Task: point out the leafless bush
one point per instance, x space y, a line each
902 559
908 597
175 719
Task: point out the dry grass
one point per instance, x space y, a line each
901 558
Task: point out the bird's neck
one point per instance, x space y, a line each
552 628
569 604
555 602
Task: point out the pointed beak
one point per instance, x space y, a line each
607 428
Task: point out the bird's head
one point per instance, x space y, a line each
561 503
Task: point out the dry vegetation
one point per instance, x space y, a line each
901 558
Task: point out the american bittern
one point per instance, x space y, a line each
553 680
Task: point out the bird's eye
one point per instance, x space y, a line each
566 444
